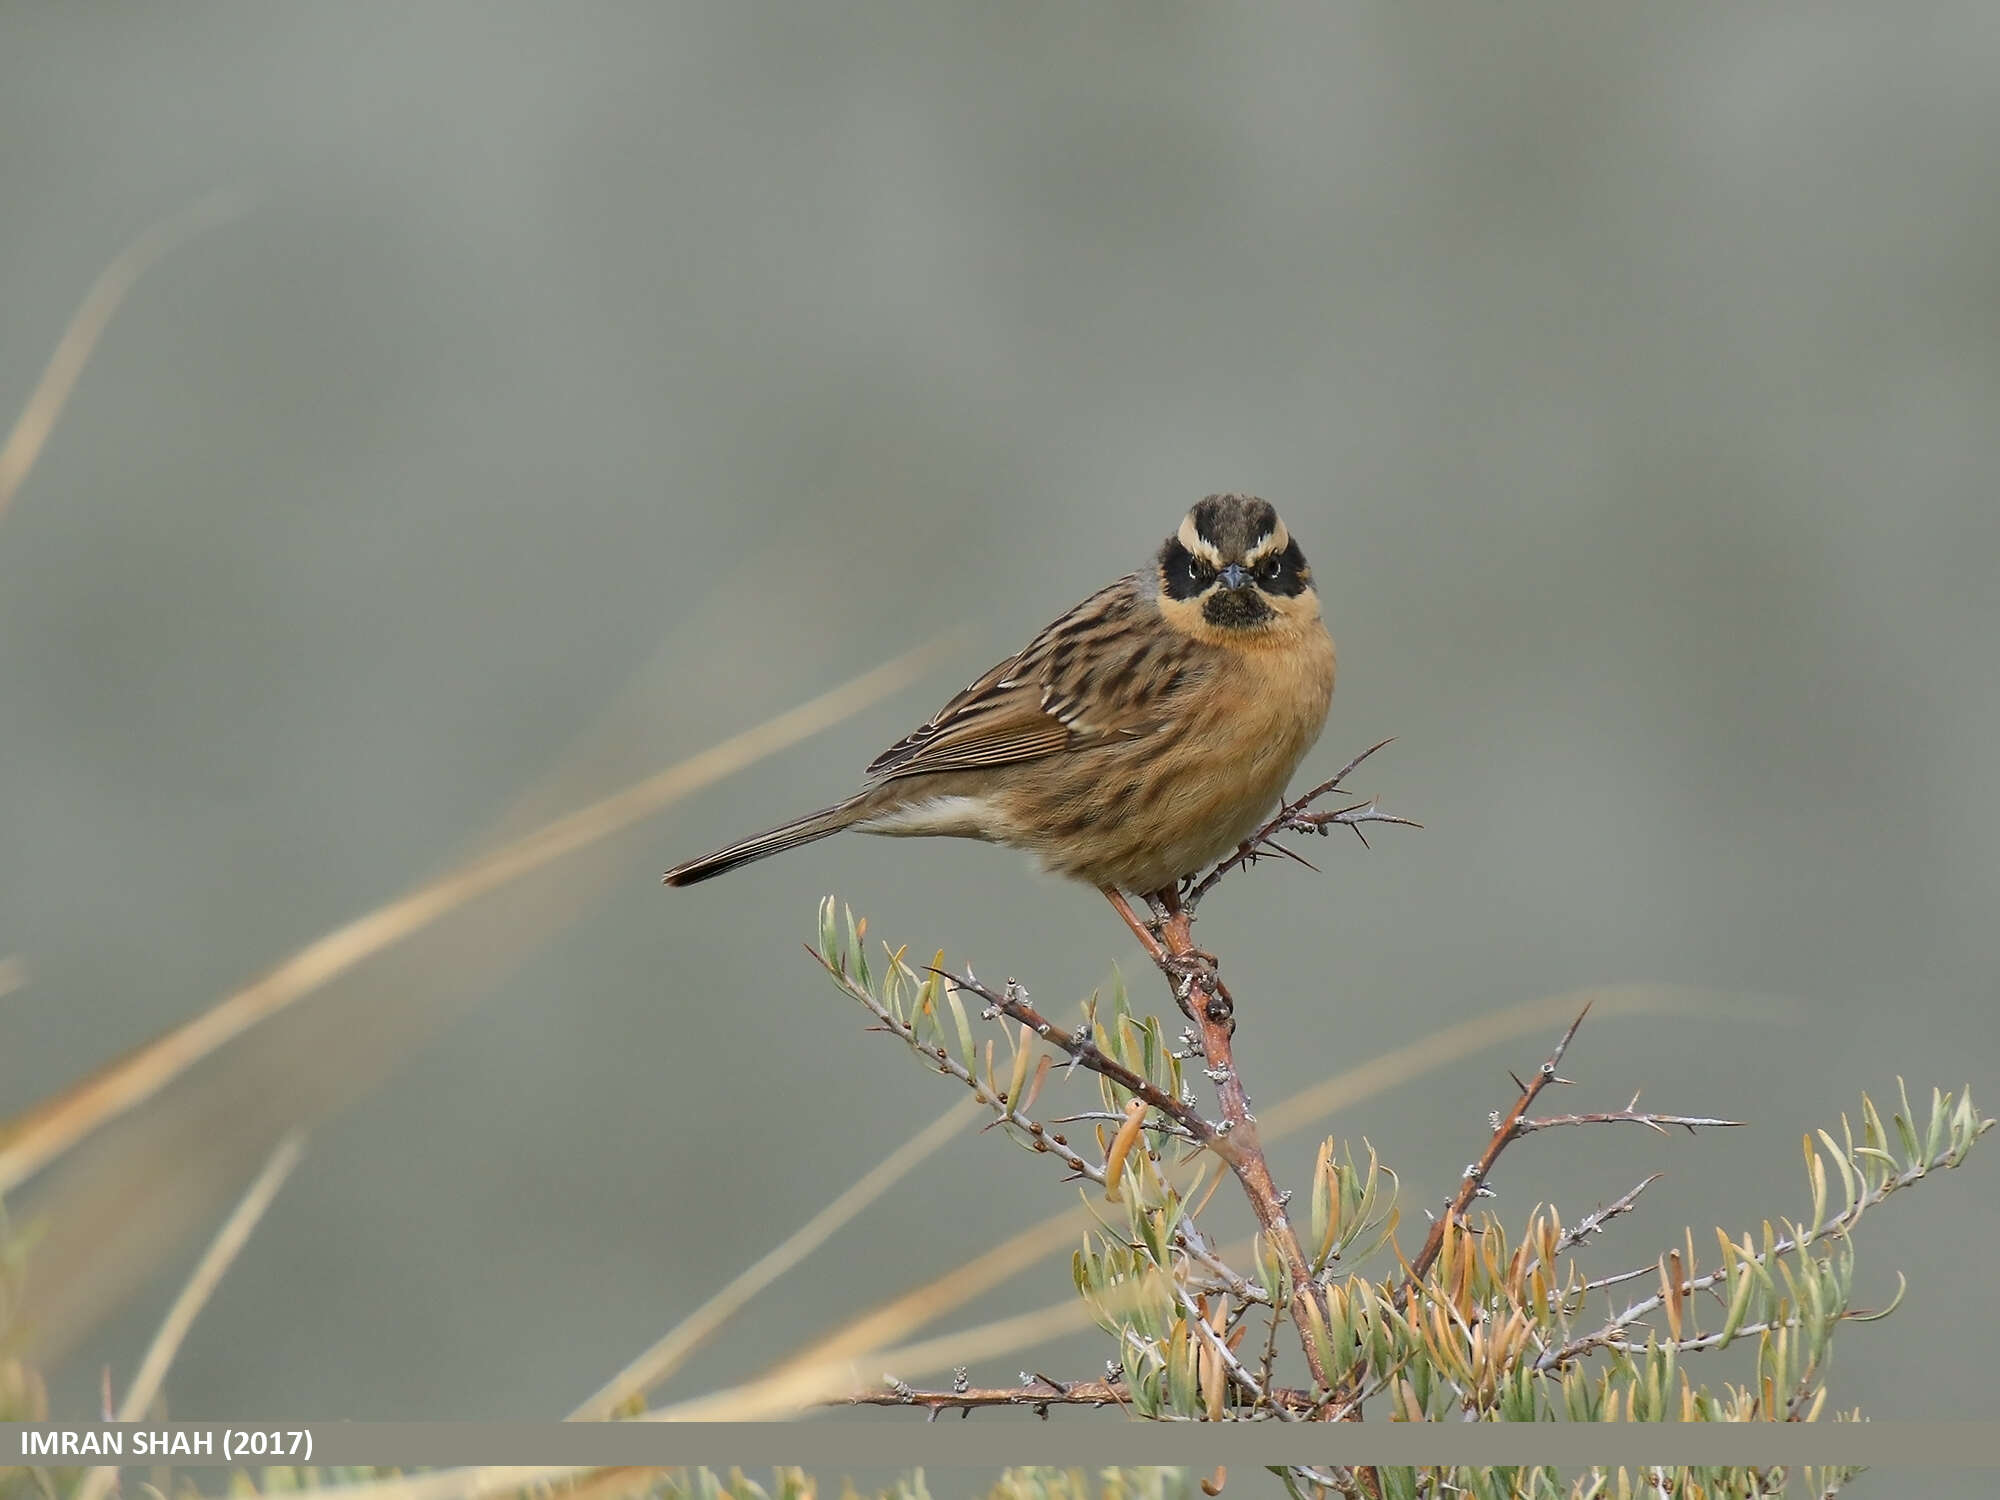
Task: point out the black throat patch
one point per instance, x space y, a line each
1233 609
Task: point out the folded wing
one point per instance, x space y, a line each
1089 678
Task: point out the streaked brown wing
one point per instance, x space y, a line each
1074 684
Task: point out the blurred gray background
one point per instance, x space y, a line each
578 386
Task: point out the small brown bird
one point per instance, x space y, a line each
1141 736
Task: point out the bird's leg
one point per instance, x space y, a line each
1147 933
1194 973
1167 907
1181 970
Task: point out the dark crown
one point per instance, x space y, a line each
1233 524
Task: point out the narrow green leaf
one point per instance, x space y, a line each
1847 1177
858 951
964 1026
1744 1284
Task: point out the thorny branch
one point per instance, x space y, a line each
1181 1118
1631 1114
1200 992
1193 978
1012 1002
1782 1245
1037 1393
1168 1126
1473 1184
1294 818
1007 1111
1228 1280
1221 1350
1516 1123
1339 1481
1203 997
1594 1221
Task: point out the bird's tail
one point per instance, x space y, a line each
786 836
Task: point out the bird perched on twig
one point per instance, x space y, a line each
1139 737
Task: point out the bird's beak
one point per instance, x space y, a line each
1234 577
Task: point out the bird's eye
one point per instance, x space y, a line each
1271 570
1199 571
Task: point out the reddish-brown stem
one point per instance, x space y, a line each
1207 1001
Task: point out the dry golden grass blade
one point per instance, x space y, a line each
800 1387
630 735
793 1390
667 1356
208 1273
45 403
122 1202
925 1304
13 975
113 1209
32 1140
807 1370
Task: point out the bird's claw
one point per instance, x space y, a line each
1194 965
1187 970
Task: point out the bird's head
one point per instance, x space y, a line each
1233 568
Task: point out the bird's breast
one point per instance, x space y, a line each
1143 813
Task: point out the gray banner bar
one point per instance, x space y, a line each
994 1443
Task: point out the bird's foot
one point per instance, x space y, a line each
1195 968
